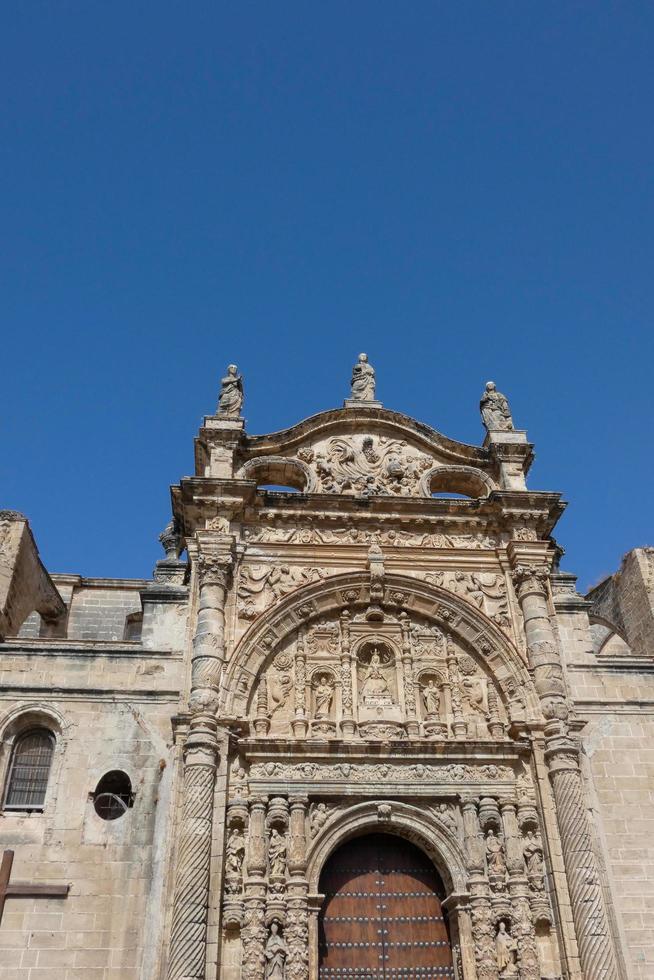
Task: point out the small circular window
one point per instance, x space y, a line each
113 795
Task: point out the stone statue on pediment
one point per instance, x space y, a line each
495 411
363 380
230 401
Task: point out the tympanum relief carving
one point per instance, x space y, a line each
380 681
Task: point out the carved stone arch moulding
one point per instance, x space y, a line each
467 480
404 820
30 713
278 470
450 612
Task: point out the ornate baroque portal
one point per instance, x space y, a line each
380 772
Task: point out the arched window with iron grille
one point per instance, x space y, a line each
31 760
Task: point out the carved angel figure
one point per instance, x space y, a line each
230 401
495 411
277 853
363 380
275 953
506 949
234 853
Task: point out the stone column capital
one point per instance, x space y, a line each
530 579
215 569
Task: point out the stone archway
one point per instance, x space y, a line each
382 916
440 851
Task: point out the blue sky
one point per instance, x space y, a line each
463 190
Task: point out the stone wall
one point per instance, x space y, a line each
112 710
614 699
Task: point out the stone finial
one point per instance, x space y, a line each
230 401
171 541
363 380
495 411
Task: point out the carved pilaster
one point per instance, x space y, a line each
297 917
256 863
347 723
512 841
299 723
473 843
483 935
413 728
459 727
253 933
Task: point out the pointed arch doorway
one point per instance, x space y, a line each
382 917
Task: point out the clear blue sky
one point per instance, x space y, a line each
463 190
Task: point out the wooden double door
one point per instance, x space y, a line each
382 917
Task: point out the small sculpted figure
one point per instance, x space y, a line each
375 683
363 380
324 695
495 855
275 953
431 698
230 401
506 949
234 853
277 853
533 853
495 411
319 818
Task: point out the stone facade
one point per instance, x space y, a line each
354 651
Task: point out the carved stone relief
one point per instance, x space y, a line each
259 586
388 537
485 590
366 465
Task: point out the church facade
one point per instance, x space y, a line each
365 727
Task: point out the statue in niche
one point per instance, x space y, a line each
495 855
375 689
431 697
363 380
275 953
277 853
323 697
533 855
230 401
495 411
234 854
506 950
279 686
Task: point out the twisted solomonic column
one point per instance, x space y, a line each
187 953
595 941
